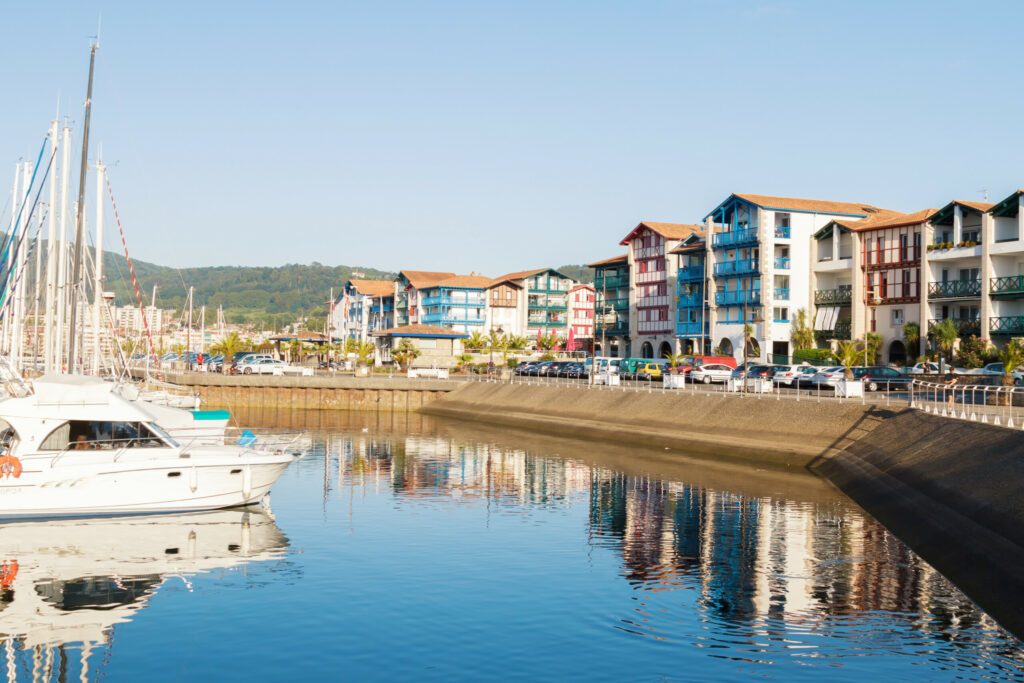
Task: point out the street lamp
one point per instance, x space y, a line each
873 302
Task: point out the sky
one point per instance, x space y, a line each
494 137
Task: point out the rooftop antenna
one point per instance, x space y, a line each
984 193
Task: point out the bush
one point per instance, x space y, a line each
814 356
511 363
547 356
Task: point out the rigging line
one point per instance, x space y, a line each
131 269
28 193
18 275
5 291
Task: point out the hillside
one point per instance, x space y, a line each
274 295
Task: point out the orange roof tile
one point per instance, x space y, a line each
812 205
374 287
670 231
467 281
424 278
608 261
892 221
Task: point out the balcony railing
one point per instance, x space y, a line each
690 329
966 326
611 282
1009 285
782 293
651 276
1013 324
955 289
782 232
738 297
735 238
618 329
694 300
651 301
833 297
690 273
737 267
782 263
842 330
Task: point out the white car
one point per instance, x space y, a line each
997 369
805 373
260 366
828 377
712 372
924 369
786 374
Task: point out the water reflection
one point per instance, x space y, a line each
66 585
763 576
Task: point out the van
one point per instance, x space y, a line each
691 362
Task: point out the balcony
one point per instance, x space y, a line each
738 297
617 329
737 267
651 276
1009 287
651 301
691 329
841 296
782 293
694 300
966 326
781 263
1013 324
955 289
611 282
841 331
735 238
690 273
782 232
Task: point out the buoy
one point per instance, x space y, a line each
9 467
8 572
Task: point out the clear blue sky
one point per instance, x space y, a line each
499 136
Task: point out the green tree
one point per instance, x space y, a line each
548 342
675 359
912 336
873 344
849 354
475 341
364 351
973 352
944 335
228 346
405 353
1012 358
802 335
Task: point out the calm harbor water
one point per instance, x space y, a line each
402 548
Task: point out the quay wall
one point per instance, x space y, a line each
948 488
321 393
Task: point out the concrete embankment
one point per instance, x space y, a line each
329 393
948 488
766 430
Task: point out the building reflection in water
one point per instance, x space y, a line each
66 585
761 566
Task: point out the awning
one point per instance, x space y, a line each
825 318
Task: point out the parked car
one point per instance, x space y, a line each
785 375
805 373
649 371
878 378
923 369
752 371
711 372
260 366
828 377
574 371
691 363
997 369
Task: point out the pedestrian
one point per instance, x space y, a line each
950 383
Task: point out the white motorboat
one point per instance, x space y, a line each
73 446
74 581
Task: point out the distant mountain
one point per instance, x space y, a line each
248 294
580 273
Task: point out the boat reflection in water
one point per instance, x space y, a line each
71 582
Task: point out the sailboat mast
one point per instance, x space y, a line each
51 260
97 311
62 241
76 278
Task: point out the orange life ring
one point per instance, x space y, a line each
8 572
10 466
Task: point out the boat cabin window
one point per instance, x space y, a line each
8 437
80 435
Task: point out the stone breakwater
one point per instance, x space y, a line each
949 488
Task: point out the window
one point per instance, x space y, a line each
781 314
897 316
97 435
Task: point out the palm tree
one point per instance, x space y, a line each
475 341
548 341
802 335
849 354
675 359
364 351
405 353
228 346
1012 357
944 334
872 346
912 335
464 360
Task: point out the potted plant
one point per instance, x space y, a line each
849 353
674 379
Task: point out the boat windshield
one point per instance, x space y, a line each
101 435
159 431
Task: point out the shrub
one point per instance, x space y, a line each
511 363
547 356
814 356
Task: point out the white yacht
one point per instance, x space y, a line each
73 446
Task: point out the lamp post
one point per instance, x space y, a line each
873 301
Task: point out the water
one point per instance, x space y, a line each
439 551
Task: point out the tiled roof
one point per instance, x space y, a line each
303 335
812 205
893 221
374 287
687 247
424 278
466 281
608 261
521 275
418 330
977 206
670 231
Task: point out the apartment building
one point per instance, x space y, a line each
456 303
692 311
759 265
581 317
653 282
1003 268
364 307
611 319
408 286
542 302
506 310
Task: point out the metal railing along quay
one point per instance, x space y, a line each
1002 406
